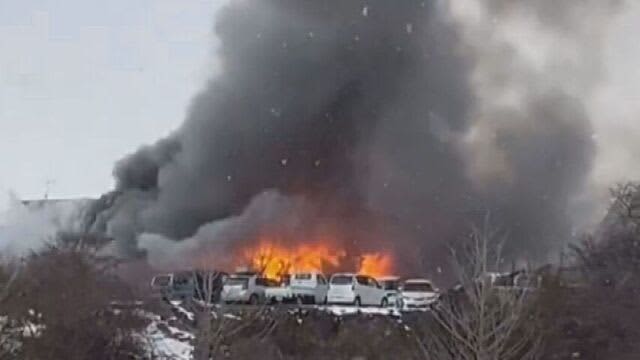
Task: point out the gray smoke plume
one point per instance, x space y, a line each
394 123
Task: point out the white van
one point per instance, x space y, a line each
309 287
356 289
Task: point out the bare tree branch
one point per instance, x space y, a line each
480 320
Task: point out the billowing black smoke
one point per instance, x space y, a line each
362 111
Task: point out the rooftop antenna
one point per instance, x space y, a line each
47 187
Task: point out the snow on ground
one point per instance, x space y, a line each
166 341
169 342
338 310
164 346
352 310
177 305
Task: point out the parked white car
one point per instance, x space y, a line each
417 293
279 292
355 289
244 288
309 287
391 286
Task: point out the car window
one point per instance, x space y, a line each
180 280
422 287
321 280
390 285
235 281
341 280
362 280
161 280
268 282
303 276
503 280
372 282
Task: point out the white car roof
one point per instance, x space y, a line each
343 274
388 278
417 281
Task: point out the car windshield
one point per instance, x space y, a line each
503 280
389 285
342 280
237 281
418 287
161 280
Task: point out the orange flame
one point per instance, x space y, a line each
376 264
275 261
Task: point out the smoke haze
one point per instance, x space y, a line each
27 227
394 124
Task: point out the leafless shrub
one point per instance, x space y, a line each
9 331
62 300
598 319
479 321
626 203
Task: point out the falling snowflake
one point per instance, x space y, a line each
284 162
409 28
275 112
365 11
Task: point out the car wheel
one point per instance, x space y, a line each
253 299
384 302
357 302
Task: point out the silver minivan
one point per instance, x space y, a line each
244 288
174 286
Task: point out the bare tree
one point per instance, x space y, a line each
205 292
216 327
62 302
626 202
478 320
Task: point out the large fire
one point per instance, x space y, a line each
274 260
376 264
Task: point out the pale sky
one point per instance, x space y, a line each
83 82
